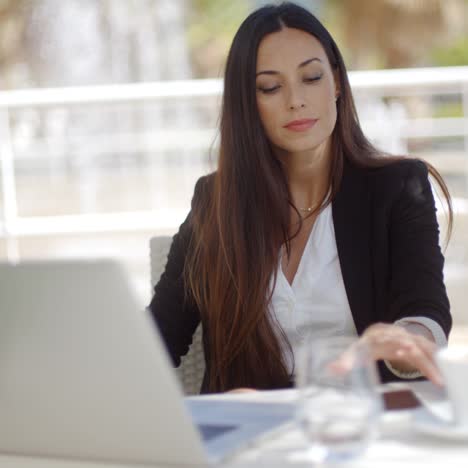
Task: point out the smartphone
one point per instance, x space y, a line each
400 399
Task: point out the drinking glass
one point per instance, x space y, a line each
339 403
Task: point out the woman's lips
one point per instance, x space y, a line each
300 125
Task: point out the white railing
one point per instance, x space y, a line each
410 82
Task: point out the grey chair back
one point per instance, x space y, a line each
192 365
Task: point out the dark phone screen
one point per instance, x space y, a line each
400 399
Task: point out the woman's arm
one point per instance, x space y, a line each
419 312
416 286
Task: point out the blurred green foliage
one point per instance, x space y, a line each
448 109
453 55
212 25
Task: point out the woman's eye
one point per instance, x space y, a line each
312 78
268 90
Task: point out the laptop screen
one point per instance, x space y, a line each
211 431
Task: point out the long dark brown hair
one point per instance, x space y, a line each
242 217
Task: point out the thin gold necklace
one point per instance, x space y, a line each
305 213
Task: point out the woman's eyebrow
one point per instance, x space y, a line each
302 64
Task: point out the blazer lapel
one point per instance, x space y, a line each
352 221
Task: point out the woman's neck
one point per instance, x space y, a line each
308 177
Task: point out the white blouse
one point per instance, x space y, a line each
316 304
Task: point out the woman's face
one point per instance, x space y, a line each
296 91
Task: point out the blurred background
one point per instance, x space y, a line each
109 108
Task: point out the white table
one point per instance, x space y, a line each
398 446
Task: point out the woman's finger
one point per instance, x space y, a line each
416 357
427 346
421 354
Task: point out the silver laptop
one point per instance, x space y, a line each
84 374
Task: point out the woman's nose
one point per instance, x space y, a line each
296 100
296 106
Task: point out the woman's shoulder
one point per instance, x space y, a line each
203 190
390 179
394 174
398 167
205 182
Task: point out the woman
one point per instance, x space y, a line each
304 225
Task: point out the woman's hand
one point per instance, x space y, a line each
242 390
404 350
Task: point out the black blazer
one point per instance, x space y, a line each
387 238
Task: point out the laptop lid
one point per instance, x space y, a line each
83 372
